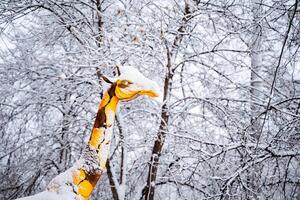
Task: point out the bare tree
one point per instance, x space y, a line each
229 125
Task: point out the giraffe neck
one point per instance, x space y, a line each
102 130
94 157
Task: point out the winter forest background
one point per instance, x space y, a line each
229 69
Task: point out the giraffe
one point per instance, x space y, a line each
78 182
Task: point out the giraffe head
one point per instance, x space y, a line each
131 83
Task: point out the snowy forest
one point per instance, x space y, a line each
229 71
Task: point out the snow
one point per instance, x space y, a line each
104 149
60 188
46 195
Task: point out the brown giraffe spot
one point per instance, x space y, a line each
100 118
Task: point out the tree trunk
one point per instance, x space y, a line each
257 94
148 191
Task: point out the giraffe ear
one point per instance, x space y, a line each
109 80
118 71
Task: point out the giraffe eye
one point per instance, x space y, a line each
124 84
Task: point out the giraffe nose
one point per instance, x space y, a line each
158 98
156 93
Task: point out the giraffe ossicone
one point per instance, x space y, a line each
78 182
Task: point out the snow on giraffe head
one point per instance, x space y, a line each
131 83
